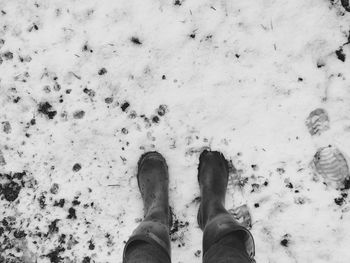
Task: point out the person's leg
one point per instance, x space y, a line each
150 242
229 249
144 252
224 239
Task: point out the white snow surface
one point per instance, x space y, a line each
239 77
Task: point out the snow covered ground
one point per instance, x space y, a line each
88 86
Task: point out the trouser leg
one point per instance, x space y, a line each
225 239
229 249
149 239
143 252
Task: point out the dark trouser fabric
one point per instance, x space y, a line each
142 252
230 249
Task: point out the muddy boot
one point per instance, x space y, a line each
153 180
212 217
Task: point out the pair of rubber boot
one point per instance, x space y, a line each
213 218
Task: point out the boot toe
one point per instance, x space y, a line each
151 162
209 160
150 155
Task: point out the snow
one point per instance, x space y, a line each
240 77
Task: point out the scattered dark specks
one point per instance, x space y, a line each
8 55
86 48
125 131
47 89
42 201
25 59
125 106
284 242
162 110
59 203
132 115
255 167
16 100
109 100
289 185
86 260
136 41
57 86
320 63
197 253
2 42
71 213
231 168
340 54
62 239
243 180
54 189
76 202
33 27
19 234
11 191
6 127
46 109
178 231
53 228
76 167
155 119
19 175
102 71
300 200
54 255
79 114
91 244
89 92
280 170
339 200
2 159
163 77
23 77
177 225
255 188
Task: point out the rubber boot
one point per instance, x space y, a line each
153 182
213 218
